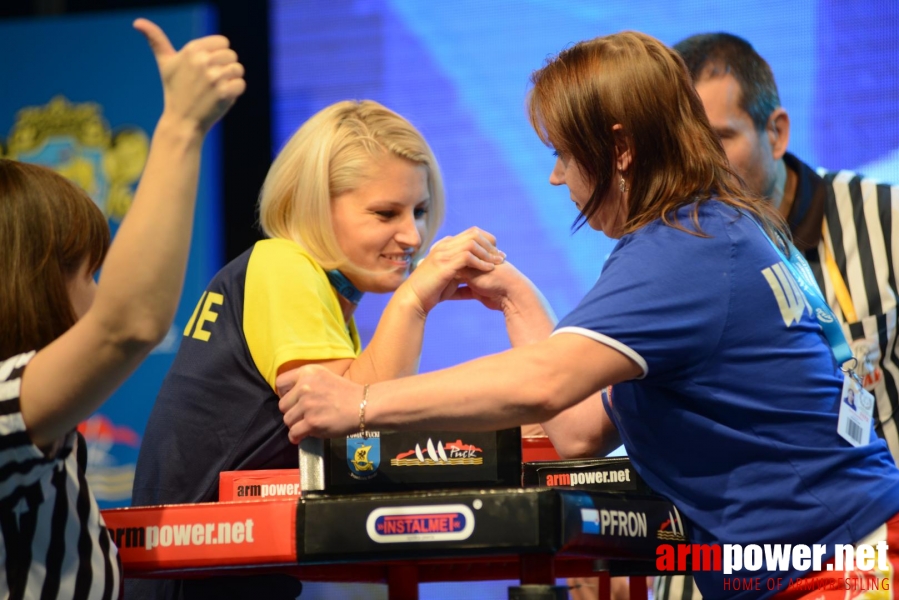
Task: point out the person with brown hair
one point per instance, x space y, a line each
725 388
843 222
67 342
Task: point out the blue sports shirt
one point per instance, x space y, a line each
735 416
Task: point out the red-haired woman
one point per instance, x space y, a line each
726 388
67 342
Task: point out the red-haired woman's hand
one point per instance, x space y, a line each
319 403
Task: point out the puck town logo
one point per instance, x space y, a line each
672 529
451 453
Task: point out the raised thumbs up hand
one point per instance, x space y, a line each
201 81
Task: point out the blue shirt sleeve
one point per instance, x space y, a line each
662 299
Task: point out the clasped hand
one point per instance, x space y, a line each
452 260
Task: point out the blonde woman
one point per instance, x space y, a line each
350 205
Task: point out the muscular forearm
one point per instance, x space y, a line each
584 430
529 384
139 303
490 393
395 348
529 317
522 385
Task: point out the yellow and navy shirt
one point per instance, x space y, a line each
217 409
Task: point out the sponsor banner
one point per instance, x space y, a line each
627 523
750 558
259 485
386 461
631 525
601 474
447 522
443 522
204 535
416 524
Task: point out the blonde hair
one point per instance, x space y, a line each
333 153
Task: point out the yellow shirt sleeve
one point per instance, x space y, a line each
291 311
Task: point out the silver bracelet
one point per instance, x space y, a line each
362 411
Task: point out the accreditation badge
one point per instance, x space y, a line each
856 410
867 352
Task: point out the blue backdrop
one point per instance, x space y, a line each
81 94
459 71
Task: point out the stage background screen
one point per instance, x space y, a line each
459 71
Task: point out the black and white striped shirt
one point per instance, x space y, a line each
53 541
861 221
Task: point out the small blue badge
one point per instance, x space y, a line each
590 521
363 456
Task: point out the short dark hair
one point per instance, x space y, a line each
49 227
710 55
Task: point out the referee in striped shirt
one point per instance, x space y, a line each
843 223
66 343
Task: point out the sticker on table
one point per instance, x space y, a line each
439 523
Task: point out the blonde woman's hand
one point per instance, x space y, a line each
200 82
439 275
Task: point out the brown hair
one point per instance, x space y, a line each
48 228
634 80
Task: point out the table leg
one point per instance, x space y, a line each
402 582
537 569
605 586
538 579
637 587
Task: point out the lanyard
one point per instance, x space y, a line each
801 272
836 279
344 286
